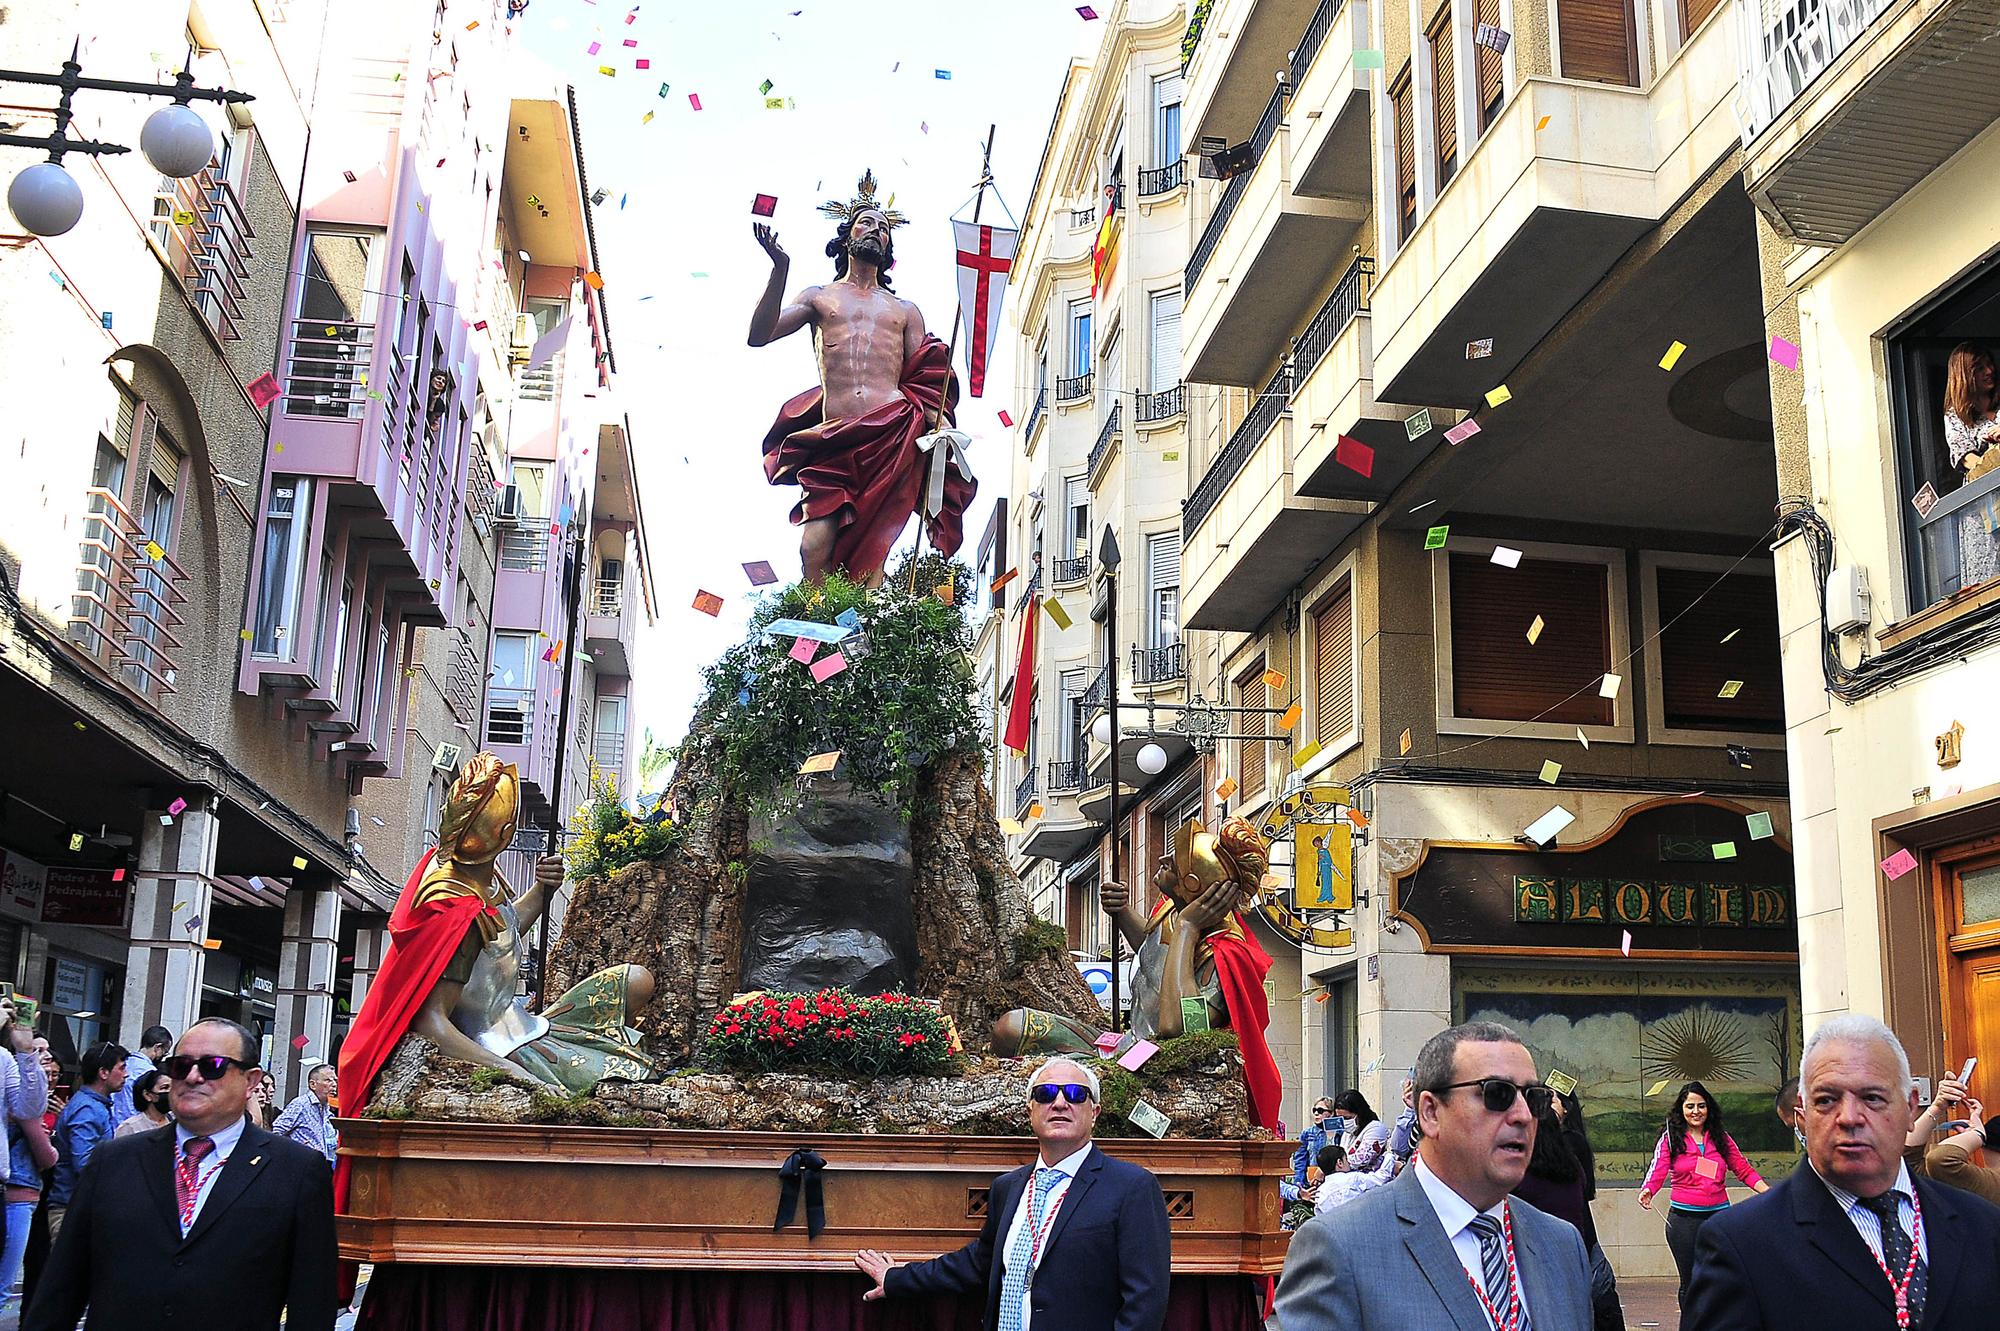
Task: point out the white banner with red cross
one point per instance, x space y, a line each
985 257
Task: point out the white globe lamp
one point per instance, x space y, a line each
177 141
45 199
1100 729
1152 760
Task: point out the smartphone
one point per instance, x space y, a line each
1965 1073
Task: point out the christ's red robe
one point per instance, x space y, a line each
866 472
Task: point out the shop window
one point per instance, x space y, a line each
1599 41
1716 652
1333 666
1493 678
1950 478
1489 73
1444 96
1252 755
1403 112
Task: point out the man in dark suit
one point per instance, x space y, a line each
210 1221
1090 1249
1445 1248
1850 1234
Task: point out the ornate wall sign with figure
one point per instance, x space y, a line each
454 960
1196 963
860 446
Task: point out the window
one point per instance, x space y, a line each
287 524
1112 377
1163 590
1069 743
378 724
1076 516
1333 666
607 748
151 612
1406 154
510 689
1694 13
1251 754
531 479
1168 89
1163 323
1490 672
1042 365
1718 633
334 333
337 666
321 619
1599 42
1079 337
1488 70
1444 96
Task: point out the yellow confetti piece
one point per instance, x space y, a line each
1010 827
1057 613
1582 738
1535 630
608 71
298 861
1036 809
646 119
820 762
277 448
1306 755
1403 744
1274 679
212 944
1673 354
1655 1089
1498 396
945 592
1551 769
154 552
182 217
245 635
1730 688
1225 787
1290 718
1542 124
593 281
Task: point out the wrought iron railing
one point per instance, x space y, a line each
1783 47
201 225
1066 774
1313 38
1349 298
1233 189
1024 793
1157 665
524 548
1102 448
1159 406
326 368
1035 415
480 490
1098 694
607 750
1264 413
1197 24
1075 388
608 596
1083 217
509 715
539 384
1162 179
461 685
128 588
1069 570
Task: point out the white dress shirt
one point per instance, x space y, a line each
1456 1215
211 1167
1069 1164
1869 1225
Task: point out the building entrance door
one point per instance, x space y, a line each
1969 882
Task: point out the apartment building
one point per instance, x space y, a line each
1865 130
242 634
1480 429
1101 447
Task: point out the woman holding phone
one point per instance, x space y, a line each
1698 1156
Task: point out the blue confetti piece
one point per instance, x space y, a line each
105 318
944 74
848 618
742 697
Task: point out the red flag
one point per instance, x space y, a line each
1020 707
985 257
1101 248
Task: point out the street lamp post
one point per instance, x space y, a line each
1108 558
46 199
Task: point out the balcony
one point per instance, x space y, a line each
1065 774
1165 405
1249 534
1063 571
510 717
1229 64
1535 220
201 225
326 369
1331 148
607 752
1035 414
1159 665
524 546
1334 397
1073 390
1156 181
608 627
1848 104
1269 245
1062 832
125 611
1100 452
1024 793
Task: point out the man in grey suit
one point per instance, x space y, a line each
1445 1246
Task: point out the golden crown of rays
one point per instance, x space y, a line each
864 199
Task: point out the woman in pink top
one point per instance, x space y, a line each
1698 1155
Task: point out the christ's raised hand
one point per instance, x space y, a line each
768 238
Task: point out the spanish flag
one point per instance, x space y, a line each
1104 251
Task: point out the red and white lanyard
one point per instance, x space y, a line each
1512 1322
1901 1288
199 1180
1039 1236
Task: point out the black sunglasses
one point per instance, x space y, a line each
213 1067
1045 1094
1497 1093
1322 1109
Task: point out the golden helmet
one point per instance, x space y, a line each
481 812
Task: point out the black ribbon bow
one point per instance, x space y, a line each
804 1165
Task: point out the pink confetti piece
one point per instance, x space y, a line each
263 390
642 63
1899 864
301 1041
804 650
694 100
760 573
631 41
1785 352
1109 1041
829 665
1625 942
1006 420
593 48
1135 1058
177 807
1462 431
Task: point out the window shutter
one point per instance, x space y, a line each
1250 692
1406 156
1598 42
1487 69
1694 12
166 458
1444 99
1163 561
1333 666
1696 613
1166 348
1497 675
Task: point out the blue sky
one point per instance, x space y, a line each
863 81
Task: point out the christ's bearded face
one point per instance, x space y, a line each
868 238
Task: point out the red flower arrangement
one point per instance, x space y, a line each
878 1035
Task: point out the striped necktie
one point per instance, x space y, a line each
1500 1293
